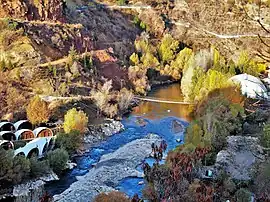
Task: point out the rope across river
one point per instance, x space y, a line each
153 99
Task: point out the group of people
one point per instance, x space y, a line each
158 151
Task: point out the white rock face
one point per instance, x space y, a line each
240 156
50 177
251 86
29 192
104 130
110 170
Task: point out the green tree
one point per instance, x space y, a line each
167 48
69 141
265 140
37 111
75 120
38 167
57 160
21 169
243 195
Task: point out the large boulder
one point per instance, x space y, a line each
240 156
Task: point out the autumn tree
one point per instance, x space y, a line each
113 196
37 111
75 120
167 48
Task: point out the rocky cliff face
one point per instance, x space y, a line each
33 10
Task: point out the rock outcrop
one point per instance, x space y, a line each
99 132
110 170
29 192
240 156
33 10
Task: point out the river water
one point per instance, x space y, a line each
158 117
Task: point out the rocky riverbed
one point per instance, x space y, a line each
110 170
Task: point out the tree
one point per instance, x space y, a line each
124 99
57 160
38 167
167 48
75 120
13 170
113 196
69 141
266 136
37 111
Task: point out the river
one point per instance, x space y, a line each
159 118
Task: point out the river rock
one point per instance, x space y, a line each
29 192
110 170
99 132
240 156
50 177
71 165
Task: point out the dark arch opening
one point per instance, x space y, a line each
21 154
33 153
45 148
7 146
25 125
9 136
7 127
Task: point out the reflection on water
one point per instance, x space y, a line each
153 110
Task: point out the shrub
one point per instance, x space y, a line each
265 140
167 48
216 119
38 168
113 196
37 111
124 99
21 169
57 160
243 195
134 59
75 120
247 65
13 169
69 141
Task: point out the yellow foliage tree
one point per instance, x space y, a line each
75 120
37 111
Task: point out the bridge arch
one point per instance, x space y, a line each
20 154
33 153
23 124
6 126
24 134
43 132
39 144
6 145
7 135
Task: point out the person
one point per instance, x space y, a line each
165 146
160 152
153 147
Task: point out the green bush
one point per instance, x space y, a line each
38 168
21 169
243 195
69 141
13 169
57 160
217 119
265 140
